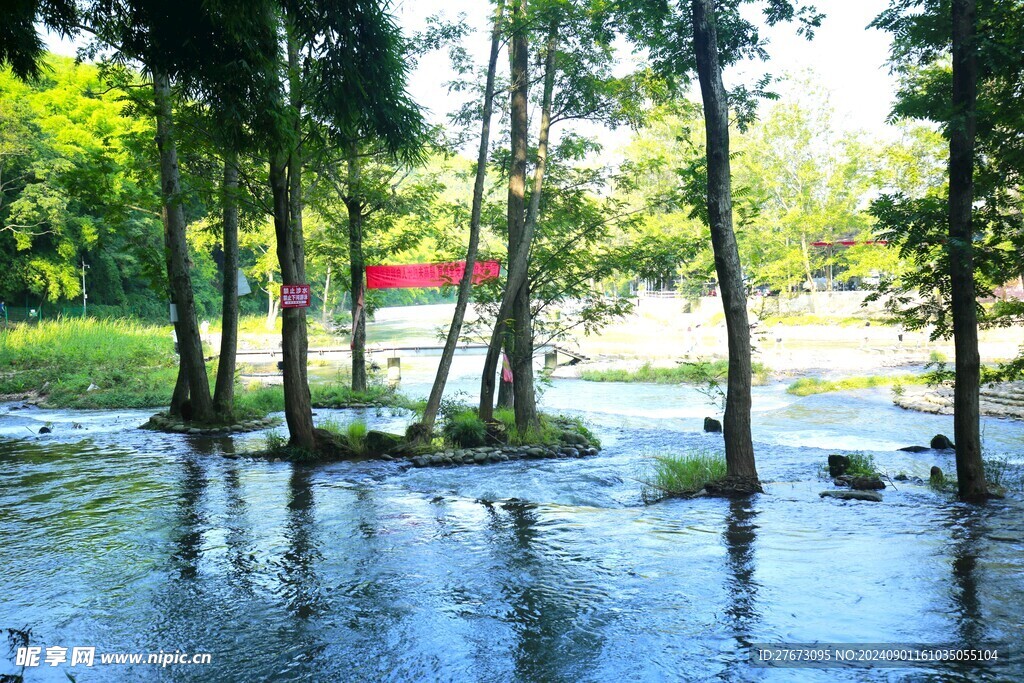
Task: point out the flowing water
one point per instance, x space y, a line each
131 541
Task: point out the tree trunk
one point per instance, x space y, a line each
515 303
286 185
739 449
180 394
327 293
189 343
466 285
969 467
357 269
224 392
271 302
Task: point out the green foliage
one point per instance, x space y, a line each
76 186
807 386
862 465
465 429
915 219
681 475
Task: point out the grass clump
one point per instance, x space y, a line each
807 386
355 436
681 475
465 429
683 373
553 430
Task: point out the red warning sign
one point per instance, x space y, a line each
294 296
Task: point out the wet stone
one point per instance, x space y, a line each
853 495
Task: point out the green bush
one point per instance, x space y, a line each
465 430
862 465
681 475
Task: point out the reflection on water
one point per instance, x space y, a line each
133 541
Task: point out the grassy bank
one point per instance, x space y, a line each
807 386
684 373
128 364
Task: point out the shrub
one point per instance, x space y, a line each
862 465
465 429
681 475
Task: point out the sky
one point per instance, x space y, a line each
846 57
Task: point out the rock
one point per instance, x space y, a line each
842 480
901 477
837 465
867 484
45 430
591 451
936 478
237 428
479 457
571 452
913 449
195 430
418 461
853 495
712 425
378 443
535 452
940 442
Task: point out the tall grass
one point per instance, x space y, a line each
76 343
681 475
131 364
684 373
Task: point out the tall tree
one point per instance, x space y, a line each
739 448
704 36
961 65
969 468
344 69
465 286
576 51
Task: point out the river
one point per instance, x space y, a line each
134 542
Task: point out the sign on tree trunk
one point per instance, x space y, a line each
294 296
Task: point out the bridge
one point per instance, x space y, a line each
550 351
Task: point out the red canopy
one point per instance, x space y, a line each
428 274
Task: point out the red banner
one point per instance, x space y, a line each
428 274
294 296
